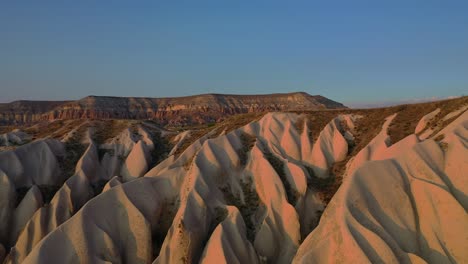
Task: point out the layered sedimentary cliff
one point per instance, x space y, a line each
20 112
197 109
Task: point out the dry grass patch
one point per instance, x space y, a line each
248 208
316 121
194 136
228 125
238 121
162 144
408 116
248 142
291 194
366 128
108 129
446 107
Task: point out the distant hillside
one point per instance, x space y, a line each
197 109
26 111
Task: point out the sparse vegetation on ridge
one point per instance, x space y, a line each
408 117
228 125
162 145
168 212
247 142
291 194
108 129
236 121
74 149
219 213
192 241
248 208
194 136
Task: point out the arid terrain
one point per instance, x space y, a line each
285 178
189 110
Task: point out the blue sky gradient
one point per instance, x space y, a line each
349 51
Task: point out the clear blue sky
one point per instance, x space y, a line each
349 51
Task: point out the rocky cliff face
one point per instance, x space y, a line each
20 112
196 109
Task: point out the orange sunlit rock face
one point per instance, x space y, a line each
282 187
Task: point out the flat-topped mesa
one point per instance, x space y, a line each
194 109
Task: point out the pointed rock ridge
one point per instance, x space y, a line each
179 140
116 151
441 123
378 145
262 169
114 181
179 165
123 143
331 146
455 136
89 164
34 163
368 222
457 126
7 205
228 242
146 137
127 154
306 142
455 113
278 132
31 202
215 160
397 148
384 147
424 120
183 240
67 201
278 235
214 165
78 189
136 163
114 227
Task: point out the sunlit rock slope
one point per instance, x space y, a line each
358 186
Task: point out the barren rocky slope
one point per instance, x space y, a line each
378 185
197 109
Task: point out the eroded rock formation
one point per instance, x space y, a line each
255 193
